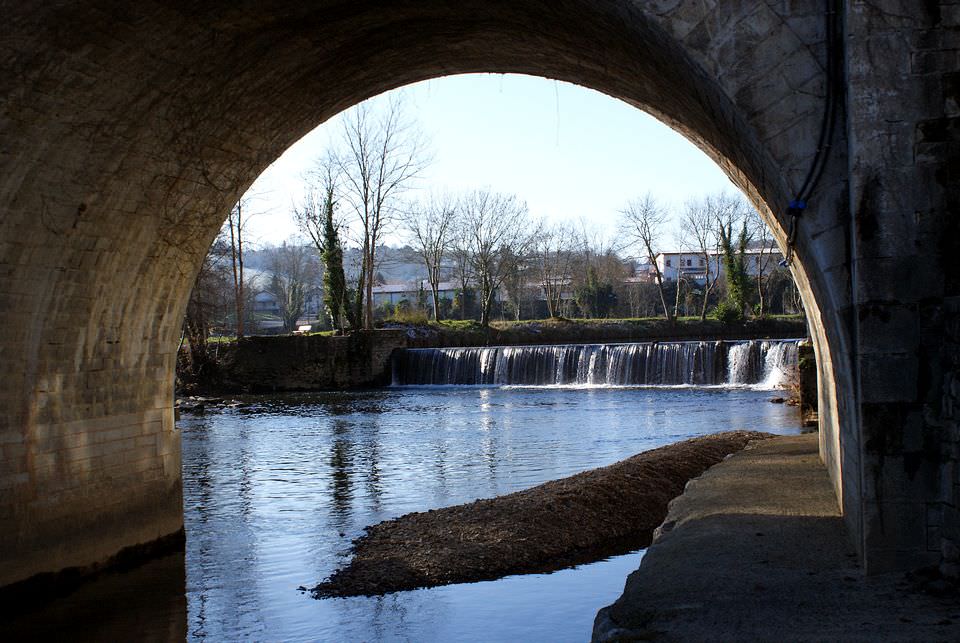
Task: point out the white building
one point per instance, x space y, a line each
393 294
688 264
694 267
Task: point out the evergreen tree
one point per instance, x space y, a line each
735 262
594 298
335 295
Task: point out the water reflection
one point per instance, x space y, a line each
341 464
288 482
371 455
273 494
147 603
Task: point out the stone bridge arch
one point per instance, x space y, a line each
129 129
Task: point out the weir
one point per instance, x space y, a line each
703 363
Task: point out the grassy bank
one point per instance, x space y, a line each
451 333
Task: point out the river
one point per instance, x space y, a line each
275 489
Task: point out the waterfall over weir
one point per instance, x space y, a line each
766 363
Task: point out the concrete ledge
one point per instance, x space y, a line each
756 549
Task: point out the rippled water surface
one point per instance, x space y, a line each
275 491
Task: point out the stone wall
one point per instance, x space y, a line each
316 362
127 130
807 393
310 362
904 128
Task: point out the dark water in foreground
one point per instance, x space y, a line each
274 493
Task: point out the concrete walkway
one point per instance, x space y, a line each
755 549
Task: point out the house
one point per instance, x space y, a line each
692 266
689 265
410 291
265 303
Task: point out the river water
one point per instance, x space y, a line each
275 490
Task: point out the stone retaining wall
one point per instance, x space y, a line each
309 362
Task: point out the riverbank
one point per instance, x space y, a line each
756 550
312 362
585 517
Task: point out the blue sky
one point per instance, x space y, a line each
569 152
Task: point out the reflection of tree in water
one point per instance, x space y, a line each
198 495
355 450
440 464
371 455
220 487
358 404
197 468
388 611
341 465
489 444
246 466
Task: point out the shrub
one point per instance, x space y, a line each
413 316
728 313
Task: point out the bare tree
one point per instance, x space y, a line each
292 275
552 250
460 244
763 258
597 271
236 227
381 153
682 243
497 228
310 213
429 225
515 268
208 303
642 223
699 224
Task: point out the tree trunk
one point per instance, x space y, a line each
236 254
663 297
760 302
487 292
706 287
357 314
676 299
368 304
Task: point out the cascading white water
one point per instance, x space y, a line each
740 362
780 364
762 363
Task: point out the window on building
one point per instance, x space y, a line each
689 262
701 263
668 263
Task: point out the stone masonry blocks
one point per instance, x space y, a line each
115 116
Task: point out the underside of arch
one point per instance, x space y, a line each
128 130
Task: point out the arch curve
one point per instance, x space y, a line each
130 130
